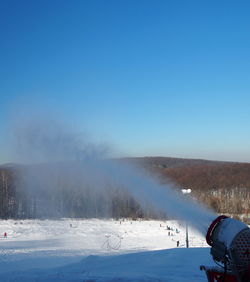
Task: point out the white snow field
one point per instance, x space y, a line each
100 250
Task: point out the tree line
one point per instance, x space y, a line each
20 199
224 187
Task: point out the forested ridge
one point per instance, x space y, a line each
224 186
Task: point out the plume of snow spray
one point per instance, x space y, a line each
68 159
147 189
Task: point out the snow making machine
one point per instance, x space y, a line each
230 248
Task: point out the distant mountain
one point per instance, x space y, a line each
224 186
168 162
156 162
198 174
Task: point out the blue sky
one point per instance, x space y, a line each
169 78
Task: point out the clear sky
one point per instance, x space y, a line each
167 78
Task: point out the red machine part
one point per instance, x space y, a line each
217 275
212 227
214 276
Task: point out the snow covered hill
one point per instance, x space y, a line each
100 250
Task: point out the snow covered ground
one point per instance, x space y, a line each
100 250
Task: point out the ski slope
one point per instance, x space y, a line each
100 250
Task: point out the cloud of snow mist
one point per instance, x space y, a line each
39 141
59 164
65 162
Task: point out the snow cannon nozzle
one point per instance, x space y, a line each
212 228
230 248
